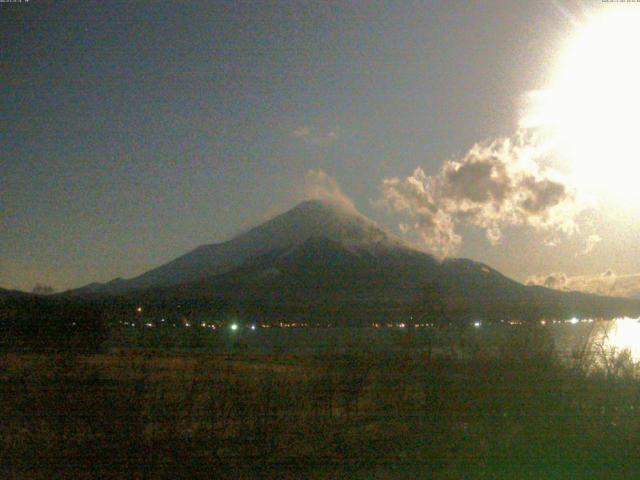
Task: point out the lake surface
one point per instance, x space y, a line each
619 334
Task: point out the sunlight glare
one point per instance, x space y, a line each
625 335
591 109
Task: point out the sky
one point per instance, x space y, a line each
132 132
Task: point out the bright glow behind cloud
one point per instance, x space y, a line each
584 122
590 109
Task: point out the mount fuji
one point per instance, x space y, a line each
319 262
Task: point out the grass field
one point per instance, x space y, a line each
514 412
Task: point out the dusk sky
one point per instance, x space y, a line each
495 130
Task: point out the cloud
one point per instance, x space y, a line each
315 136
557 280
414 197
606 283
591 242
301 132
320 186
495 185
317 185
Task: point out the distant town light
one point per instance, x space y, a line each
234 326
139 309
477 324
253 327
573 321
543 322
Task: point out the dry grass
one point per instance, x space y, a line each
514 412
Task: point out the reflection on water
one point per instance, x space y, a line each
623 334
601 340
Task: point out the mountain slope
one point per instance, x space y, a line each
319 263
324 281
13 294
308 219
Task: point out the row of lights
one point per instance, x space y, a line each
476 324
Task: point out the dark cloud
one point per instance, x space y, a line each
478 180
492 187
540 195
557 281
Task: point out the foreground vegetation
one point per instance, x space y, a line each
514 411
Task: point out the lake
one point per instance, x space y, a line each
618 334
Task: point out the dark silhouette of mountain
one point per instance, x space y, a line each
319 263
322 281
308 219
12 294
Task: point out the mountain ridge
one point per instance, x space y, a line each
322 264
307 219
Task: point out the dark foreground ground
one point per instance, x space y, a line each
514 412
